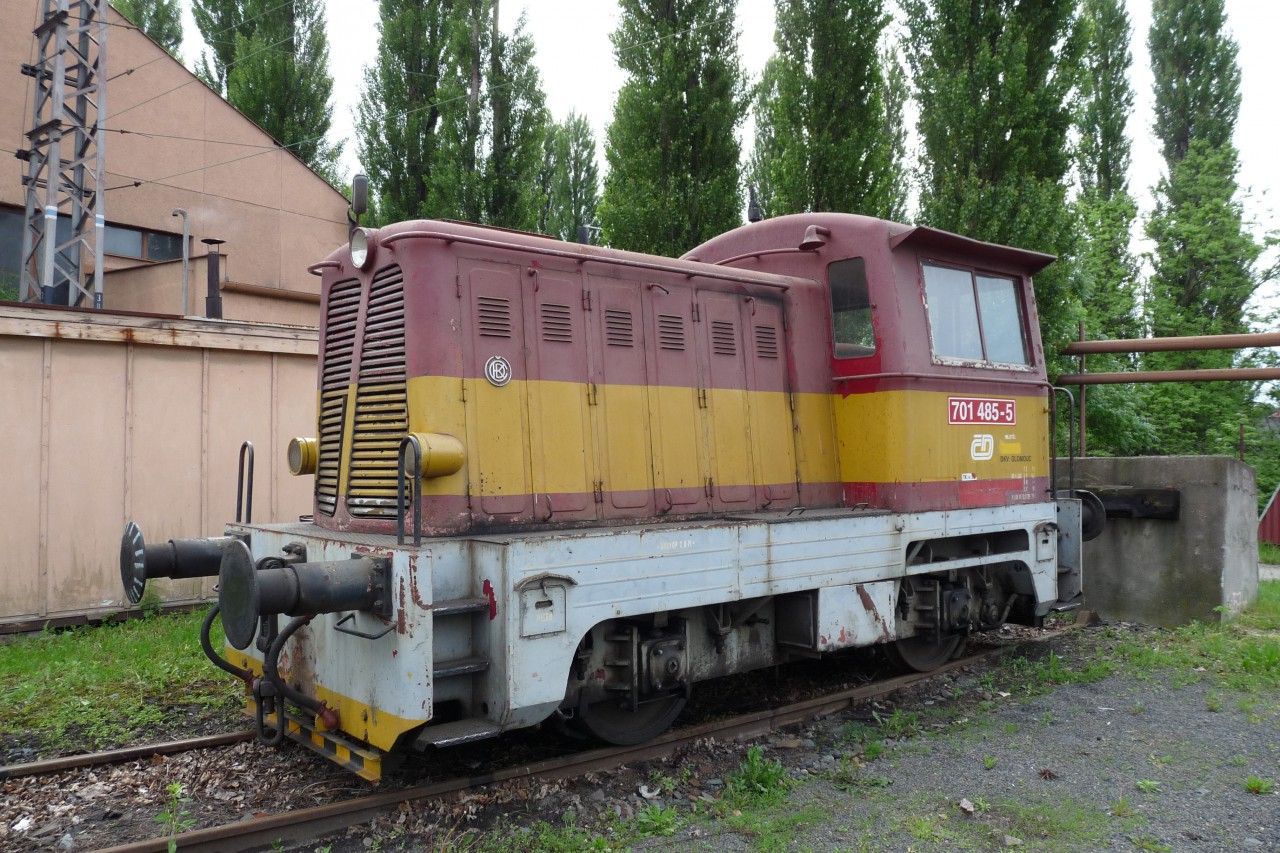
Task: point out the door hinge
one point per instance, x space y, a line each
702 398
462 390
710 487
697 318
593 396
586 300
597 491
457 286
791 401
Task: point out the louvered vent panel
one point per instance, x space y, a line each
766 342
341 313
723 339
671 332
557 327
617 327
493 315
382 404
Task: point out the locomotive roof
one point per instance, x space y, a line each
854 234
511 240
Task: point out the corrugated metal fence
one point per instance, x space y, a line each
1269 524
110 417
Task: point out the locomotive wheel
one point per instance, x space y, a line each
612 722
924 652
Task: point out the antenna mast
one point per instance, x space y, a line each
65 176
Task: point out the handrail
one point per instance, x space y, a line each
995 380
583 257
1184 343
409 441
244 501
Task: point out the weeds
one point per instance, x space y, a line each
1148 786
1152 845
1121 807
989 762
176 819
656 820
759 781
1258 785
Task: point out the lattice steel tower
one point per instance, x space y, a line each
65 166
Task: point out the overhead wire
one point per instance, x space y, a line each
219 32
321 137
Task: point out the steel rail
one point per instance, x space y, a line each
119 756
316 821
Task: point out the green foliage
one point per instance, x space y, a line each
1241 653
1197 79
94 686
1258 785
828 113
176 818
452 122
414 109
517 127
993 79
759 781
1106 270
279 77
569 179
673 178
1269 553
657 820
159 19
220 22
1203 274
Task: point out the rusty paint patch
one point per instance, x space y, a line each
413 583
870 606
400 610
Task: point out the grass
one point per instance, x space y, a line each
1258 785
1242 653
1268 553
95 686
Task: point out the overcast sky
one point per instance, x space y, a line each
575 58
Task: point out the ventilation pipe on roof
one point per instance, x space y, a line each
186 255
755 212
213 295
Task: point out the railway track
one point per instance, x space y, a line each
120 756
309 823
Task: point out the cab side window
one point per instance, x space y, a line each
974 316
850 309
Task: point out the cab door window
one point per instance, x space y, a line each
851 328
974 317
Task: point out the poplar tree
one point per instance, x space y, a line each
674 178
1105 211
518 126
280 79
825 139
571 181
159 19
1204 262
413 109
219 22
993 79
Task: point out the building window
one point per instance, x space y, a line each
974 316
851 329
126 242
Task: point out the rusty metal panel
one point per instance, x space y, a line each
101 427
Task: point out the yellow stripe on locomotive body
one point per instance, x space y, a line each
900 436
905 436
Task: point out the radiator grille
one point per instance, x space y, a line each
557 323
382 404
617 327
341 312
723 339
671 332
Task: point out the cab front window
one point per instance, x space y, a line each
974 317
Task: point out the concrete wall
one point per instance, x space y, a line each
157 288
107 418
1171 572
189 149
